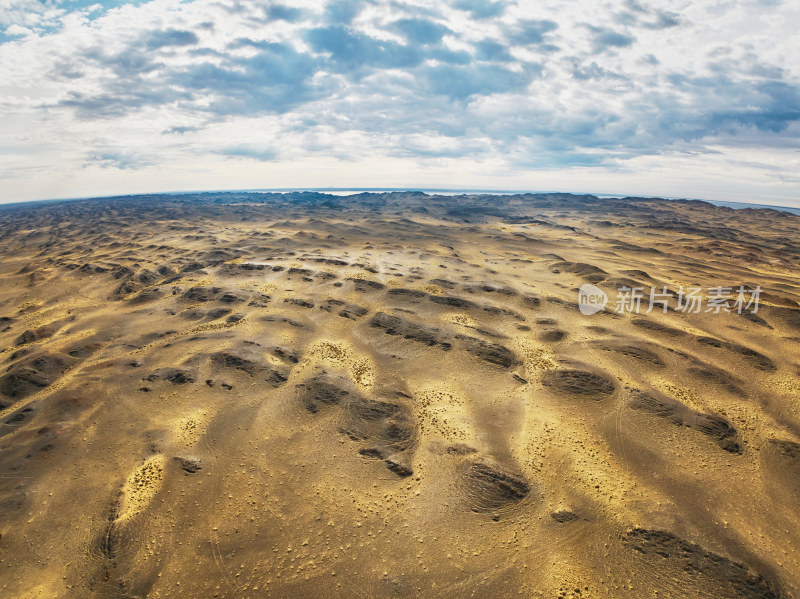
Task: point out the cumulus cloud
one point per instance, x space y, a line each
605 38
635 14
492 50
350 50
274 80
532 31
170 37
502 82
16 30
464 82
180 130
254 153
120 160
481 9
343 11
282 12
421 31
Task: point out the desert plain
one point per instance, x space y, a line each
243 395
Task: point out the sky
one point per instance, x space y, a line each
678 98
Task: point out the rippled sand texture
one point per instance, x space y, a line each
394 396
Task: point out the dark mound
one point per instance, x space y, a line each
657 327
228 360
273 376
287 355
32 335
552 336
21 382
394 325
591 273
35 373
508 291
20 417
788 449
716 427
719 429
754 358
345 310
580 383
231 298
84 350
663 407
696 568
789 316
363 285
148 295
633 351
493 353
385 429
318 392
284 320
218 313
147 277
564 516
201 294
717 376
531 301
452 302
398 469
245 268
296 301
407 293
492 489
443 283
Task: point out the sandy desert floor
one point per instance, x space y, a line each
394 395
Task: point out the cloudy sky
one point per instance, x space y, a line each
682 98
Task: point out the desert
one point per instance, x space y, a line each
395 395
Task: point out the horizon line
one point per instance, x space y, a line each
426 190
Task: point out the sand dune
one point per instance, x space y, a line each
395 395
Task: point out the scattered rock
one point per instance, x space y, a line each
176 376
564 516
460 449
189 465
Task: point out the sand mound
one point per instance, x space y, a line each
579 383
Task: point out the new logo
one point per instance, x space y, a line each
591 299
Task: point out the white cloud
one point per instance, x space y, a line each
169 94
15 30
